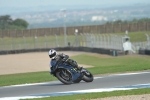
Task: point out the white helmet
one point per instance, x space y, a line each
52 53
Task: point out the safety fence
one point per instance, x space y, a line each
107 41
87 40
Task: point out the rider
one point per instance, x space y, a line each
56 58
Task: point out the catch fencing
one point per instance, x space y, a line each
90 40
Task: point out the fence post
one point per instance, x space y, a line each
45 41
82 40
24 42
148 39
2 44
77 38
35 42
56 38
12 42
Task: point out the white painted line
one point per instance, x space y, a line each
133 73
142 84
18 98
29 84
98 90
67 93
98 77
121 74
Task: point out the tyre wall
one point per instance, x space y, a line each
84 49
144 52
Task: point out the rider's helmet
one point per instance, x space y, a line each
52 53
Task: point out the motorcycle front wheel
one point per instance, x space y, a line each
87 76
64 76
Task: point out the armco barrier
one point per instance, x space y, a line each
147 52
144 52
84 49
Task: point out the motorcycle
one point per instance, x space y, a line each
67 74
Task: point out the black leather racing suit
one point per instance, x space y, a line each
63 57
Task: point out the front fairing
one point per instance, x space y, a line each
56 65
53 66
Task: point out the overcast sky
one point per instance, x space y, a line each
34 3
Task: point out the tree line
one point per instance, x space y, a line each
6 22
129 21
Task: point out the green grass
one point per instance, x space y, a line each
23 78
136 36
102 65
89 96
105 65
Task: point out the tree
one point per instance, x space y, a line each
5 21
21 22
117 21
134 20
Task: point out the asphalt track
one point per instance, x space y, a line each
55 88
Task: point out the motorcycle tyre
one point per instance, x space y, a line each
62 80
87 78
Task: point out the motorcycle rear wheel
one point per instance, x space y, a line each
64 76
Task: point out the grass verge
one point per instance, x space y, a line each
89 96
24 78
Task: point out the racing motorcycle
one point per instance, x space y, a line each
68 74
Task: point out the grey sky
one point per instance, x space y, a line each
34 3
